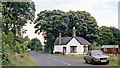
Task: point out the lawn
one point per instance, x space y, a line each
73 56
113 60
27 60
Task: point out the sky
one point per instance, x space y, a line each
104 11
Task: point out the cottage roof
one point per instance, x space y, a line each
110 46
65 40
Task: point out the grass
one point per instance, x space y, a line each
27 60
0 62
113 60
0 47
72 56
42 52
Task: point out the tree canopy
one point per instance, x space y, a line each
35 44
109 36
16 15
57 21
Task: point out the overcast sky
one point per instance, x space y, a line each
104 11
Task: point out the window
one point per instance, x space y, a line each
73 49
105 49
85 49
64 49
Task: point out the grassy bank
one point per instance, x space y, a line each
0 63
27 60
113 60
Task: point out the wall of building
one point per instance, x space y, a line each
58 48
73 42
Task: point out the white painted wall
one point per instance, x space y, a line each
58 48
73 42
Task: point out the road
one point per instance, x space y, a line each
51 60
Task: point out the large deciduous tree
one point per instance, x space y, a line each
86 25
106 36
16 15
57 21
116 34
109 36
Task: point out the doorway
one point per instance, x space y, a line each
64 49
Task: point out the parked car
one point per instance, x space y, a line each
96 56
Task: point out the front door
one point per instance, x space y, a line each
64 49
85 49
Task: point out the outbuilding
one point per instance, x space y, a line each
110 49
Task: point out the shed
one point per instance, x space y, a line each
110 49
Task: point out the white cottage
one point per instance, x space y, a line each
71 45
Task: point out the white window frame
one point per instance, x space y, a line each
105 49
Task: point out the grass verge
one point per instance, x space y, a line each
42 52
27 60
72 56
0 62
113 60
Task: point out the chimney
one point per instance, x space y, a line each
74 32
59 38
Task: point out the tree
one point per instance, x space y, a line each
106 36
9 39
109 36
116 34
35 44
57 21
16 15
86 25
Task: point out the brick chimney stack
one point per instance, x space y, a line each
59 38
74 32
